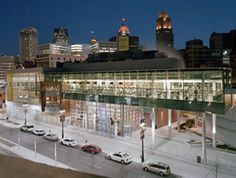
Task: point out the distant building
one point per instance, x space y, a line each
195 54
76 49
164 33
28 45
52 55
223 47
6 63
104 47
60 36
124 41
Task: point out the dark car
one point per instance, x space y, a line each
94 149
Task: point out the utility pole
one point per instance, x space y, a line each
142 139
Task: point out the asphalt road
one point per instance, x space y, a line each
76 158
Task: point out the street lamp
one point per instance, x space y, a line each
142 130
24 105
62 119
25 111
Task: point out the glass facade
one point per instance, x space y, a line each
101 117
24 87
115 102
163 88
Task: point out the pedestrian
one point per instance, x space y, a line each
86 141
7 118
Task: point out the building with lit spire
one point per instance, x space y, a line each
164 33
124 41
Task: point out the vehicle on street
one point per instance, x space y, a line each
94 149
157 167
27 128
124 158
39 132
68 142
51 137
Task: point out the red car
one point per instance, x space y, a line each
94 149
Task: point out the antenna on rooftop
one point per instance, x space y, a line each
92 33
28 18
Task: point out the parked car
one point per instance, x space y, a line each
39 132
94 149
68 142
51 137
120 157
158 168
27 128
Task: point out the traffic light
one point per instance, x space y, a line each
141 134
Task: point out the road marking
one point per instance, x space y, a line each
5 142
25 138
94 165
63 150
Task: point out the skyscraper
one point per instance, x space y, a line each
28 45
124 41
164 33
60 36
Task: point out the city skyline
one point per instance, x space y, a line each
105 18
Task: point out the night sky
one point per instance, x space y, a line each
191 19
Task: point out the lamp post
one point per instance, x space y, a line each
24 98
25 111
62 119
142 130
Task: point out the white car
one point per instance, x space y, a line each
120 157
39 132
51 137
27 128
68 142
158 168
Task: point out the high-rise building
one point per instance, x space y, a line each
60 36
124 41
164 33
28 45
195 54
223 47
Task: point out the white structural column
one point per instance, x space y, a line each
169 121
95 117
204 151
178 120
153 128
214 130
115 127
214 88
86 115
168 89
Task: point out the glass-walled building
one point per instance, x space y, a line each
115 100
193 89
23 89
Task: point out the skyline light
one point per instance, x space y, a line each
190 20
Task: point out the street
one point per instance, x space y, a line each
75 157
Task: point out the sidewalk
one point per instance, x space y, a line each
174 151
29 154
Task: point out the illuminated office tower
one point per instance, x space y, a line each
164 33
125 42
